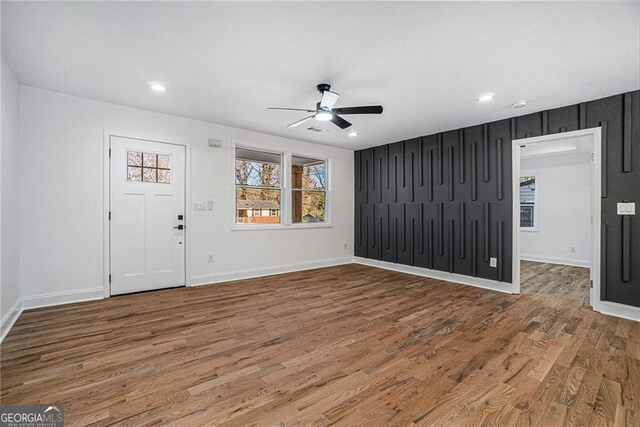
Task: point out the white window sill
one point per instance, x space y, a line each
251 227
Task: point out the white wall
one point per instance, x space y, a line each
564 197
61 182
9 201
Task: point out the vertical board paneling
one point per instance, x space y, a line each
421 228
604 184
430 163
626 149
603 255
451 245
440 159
405 232
626 248
463 237
485 152
474 171
461 152
412 189
474 248
451 174
440 229
500 266
499 177
487 236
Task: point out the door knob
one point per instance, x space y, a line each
180 227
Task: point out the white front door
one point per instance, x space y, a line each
147 215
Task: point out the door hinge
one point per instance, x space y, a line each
591 283
109 278
109 152
109 215
592 157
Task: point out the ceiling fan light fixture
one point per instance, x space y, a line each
324 115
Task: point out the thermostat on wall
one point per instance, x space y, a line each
215 143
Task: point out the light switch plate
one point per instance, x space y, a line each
626 208
209 205
493 262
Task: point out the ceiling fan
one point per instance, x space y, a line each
325 112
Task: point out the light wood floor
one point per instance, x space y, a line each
349 345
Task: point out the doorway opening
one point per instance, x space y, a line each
556 216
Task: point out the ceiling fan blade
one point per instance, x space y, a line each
369 109
291 109
329 99
299 122
340 122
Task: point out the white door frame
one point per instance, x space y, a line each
595 133
106 251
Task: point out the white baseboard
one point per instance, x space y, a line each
553 260
620 310
440 275
64 297
208 279
10 318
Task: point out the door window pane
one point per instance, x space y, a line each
156 167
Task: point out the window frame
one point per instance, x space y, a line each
536 203
325 191
285 187
236 186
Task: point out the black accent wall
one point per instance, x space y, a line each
444 201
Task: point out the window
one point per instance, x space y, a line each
528 203
148 167
258 186
308 190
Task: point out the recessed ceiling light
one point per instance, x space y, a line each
353 133
158 87
486 97
520 104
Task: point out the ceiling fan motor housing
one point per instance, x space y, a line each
322 87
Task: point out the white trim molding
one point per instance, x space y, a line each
65 297
620 310
596 175
552 260
209 279
10 318
460 279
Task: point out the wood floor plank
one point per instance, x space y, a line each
348 345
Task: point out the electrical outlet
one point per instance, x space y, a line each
345 246
493 262
210 257
572 249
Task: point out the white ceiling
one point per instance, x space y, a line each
425 62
